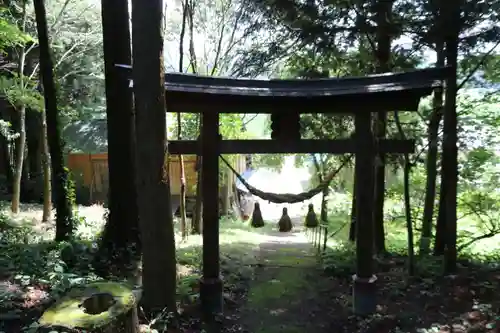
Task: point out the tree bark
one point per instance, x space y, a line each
21 128
120 243
47 179
18 170
324 205
440 239
431 163
154 202
450 150
182 173
226 193
34 158
325 192
64 213
352 228
383 53
6 166
196 223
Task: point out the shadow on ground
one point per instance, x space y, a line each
283 297
274 282
294 291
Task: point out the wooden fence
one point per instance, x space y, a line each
90 173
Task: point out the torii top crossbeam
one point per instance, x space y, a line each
380 92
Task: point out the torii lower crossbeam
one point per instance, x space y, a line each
337 146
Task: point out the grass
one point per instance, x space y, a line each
32 272
428 301
30 260
395 227
284 283
283 295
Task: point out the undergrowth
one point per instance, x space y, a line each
32 263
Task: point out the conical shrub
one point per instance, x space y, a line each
257 220
311 218
285 223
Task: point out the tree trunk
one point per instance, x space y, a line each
451 11
47 179
153 187
33 142
324 196
226 193
383 53
120 243
18 169
324 205
64 213
431 163
6 168
182 207
440 239
196 222
182 173
352 229
407 203
21 128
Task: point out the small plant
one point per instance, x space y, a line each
340 260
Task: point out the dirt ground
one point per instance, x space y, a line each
289 292
292 293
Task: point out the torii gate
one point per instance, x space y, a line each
286 100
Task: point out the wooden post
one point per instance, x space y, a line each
211 283
364 289
325 239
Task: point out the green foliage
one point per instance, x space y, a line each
32 261
70 187
20 93
340 260
10 34
6 131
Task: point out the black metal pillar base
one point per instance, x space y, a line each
211 297
364 294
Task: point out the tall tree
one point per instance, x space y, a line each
451 11
154 202
47 179
432 139
64 213
120 242
383 54
20 109
182 173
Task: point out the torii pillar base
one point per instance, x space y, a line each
211 297
364 294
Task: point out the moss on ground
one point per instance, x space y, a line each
69 312
278 297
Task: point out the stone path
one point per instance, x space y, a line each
284 296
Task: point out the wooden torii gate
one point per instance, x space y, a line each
285 100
